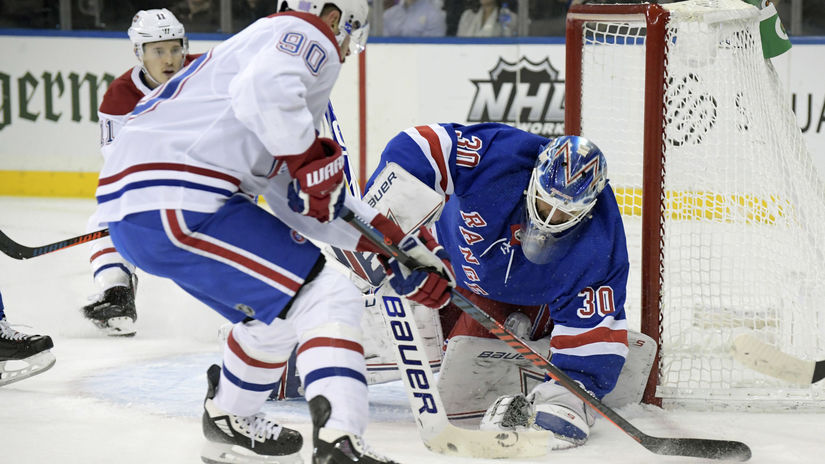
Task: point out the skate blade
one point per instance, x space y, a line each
120 327
224 453
33 365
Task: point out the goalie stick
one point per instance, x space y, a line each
18 251
693 447
769 360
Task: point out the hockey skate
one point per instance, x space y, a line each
21 355
244 440
114 312
332 446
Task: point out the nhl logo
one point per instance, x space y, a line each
525 94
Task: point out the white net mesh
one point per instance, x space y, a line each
744 217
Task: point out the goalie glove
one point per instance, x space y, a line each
317 187
549 406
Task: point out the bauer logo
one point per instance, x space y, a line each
525 94
412 358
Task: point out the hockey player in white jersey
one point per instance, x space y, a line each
175 191
30 354
160 45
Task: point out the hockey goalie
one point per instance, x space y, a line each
535 238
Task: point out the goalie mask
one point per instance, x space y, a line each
354 19
568 176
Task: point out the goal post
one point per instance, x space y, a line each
728 236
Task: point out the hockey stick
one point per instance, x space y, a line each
769 360
694 447
335 128
18 251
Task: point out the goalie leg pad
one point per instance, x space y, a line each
561 412
565 423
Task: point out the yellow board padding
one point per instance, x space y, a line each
709 206
48 184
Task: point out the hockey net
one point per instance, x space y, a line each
729 236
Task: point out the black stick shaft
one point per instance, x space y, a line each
18 251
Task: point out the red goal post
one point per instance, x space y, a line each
655 17
727 238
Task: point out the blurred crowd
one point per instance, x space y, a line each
394 18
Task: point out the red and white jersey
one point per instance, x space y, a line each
120 99
214 128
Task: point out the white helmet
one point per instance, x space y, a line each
155 26
354 18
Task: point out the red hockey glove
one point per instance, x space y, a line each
429 285
317 188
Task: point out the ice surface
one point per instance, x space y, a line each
138 400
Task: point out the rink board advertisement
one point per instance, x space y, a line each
51 87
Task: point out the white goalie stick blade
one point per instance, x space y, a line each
438 434
769 360
17 370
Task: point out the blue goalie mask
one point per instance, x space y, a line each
568 176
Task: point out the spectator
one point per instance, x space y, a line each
453 9
198 15
415 18
246 12
485 21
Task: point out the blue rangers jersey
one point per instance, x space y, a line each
482 171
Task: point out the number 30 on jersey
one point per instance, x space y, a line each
598 300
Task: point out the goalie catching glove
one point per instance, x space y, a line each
317 188
549 406
429 284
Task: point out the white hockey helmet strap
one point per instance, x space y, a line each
155 25
354 18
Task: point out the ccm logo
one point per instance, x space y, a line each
327 171
411 358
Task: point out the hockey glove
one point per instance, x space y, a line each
430 284
317 188
550 407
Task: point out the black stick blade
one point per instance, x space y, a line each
698 448
819 371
